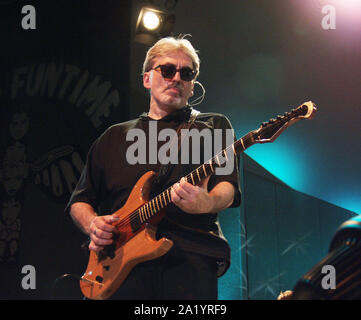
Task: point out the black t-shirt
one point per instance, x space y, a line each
108 179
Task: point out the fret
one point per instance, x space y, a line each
210 164
218 160
169 199
192 178
152 208
147 210
165 201
204 170
141 214
234 150
156 201
160 200
144 213
225 154
242 144
199 178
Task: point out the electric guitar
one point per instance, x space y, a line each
138 218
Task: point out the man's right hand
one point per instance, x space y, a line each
101 231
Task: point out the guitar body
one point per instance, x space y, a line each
107 269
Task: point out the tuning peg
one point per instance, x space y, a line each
279 117
264 124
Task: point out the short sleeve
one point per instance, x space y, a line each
234 177
86 189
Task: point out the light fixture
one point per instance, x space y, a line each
151 20
153 24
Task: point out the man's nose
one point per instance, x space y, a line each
177 76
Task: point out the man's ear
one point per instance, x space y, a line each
147 80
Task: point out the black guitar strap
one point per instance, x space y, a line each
166 169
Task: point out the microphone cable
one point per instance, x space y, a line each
63 276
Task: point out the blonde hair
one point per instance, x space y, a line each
168 45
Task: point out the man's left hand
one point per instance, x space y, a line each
192 199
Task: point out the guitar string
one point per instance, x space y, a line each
134 215
247 138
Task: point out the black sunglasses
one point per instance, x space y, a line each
168 71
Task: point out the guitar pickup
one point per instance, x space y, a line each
107 252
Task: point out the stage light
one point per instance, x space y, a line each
151 20
153 24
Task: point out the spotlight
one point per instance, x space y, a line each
153 24
151 20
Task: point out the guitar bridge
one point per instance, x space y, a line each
91 282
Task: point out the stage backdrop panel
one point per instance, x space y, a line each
284 233
260 244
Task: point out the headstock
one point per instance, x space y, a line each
269 131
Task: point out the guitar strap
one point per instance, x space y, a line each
165 169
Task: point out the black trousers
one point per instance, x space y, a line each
176 275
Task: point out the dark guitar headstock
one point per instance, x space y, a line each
269 131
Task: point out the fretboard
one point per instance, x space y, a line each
152 207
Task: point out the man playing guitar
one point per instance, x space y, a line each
200 253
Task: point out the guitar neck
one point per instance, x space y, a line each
219 160
268 132
159 202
